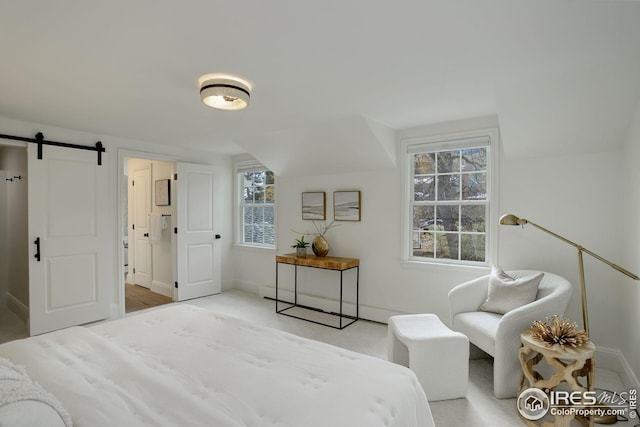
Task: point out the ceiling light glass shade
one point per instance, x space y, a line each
224 92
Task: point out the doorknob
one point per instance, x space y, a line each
146 234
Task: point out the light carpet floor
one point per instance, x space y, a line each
478 409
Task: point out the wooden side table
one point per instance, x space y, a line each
573 366
326 263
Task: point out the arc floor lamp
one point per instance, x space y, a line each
510 219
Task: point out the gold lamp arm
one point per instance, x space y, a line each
510 219
585 250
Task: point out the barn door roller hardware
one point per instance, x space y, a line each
39 139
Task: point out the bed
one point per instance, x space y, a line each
187 366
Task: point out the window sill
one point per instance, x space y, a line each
246 247
442 266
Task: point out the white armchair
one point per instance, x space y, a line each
499 335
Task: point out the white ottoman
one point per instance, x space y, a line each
438 356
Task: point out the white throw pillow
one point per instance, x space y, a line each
507 293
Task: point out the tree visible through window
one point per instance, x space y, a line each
257 207
450 203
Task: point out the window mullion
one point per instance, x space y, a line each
252 216
461 171
459 212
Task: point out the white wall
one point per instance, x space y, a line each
387 285
575 196
253 267
113 146
628 301
385 282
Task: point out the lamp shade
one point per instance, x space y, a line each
224 92
511 219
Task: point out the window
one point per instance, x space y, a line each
256 185
449 200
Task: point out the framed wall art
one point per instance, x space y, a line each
313 205
346 205
163 192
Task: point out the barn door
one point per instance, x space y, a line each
68 232
198 257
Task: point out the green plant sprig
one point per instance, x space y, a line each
300 243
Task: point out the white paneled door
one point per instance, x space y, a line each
198 257
141 210
68 231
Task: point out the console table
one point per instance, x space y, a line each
326 263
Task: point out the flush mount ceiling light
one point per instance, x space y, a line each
224 91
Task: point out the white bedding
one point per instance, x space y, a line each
187 366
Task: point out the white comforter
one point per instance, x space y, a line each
187 366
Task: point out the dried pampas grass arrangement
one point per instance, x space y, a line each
559 331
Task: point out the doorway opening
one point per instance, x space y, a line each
14 261
147 244
183 261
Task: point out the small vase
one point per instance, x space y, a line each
320 246
301 252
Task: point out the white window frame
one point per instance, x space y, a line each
453 141
242 166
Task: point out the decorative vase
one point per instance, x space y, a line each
301 252
320 246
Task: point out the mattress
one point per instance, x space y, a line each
187 366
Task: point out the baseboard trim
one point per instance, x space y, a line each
161 288
15 305
247 286
613 360
365 312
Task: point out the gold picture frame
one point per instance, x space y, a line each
314 205
346 206
163 192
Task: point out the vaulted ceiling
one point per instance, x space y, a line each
561 75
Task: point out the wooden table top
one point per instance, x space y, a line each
327 262
567 352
